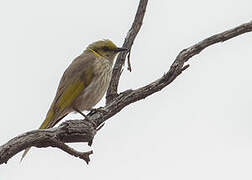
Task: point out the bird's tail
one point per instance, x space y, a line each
46 124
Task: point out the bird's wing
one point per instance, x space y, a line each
74 70
75 79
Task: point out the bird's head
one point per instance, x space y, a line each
105 48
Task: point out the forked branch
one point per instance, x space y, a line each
83 130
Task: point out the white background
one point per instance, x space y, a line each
199 127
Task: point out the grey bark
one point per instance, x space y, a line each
84 130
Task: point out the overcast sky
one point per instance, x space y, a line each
199 127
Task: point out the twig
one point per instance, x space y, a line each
82 155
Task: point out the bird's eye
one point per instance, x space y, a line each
105 48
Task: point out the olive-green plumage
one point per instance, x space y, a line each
84 82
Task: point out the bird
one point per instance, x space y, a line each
83 83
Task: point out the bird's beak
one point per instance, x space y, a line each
120 49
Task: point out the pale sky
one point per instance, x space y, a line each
199 127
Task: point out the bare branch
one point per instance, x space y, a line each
69 131
221 37
83 130
178 65
82 155
128 42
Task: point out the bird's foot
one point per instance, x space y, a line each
100 110
93 124
84 115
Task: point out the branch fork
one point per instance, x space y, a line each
83 130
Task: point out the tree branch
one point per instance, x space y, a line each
69 131
83 130
112 91
178 65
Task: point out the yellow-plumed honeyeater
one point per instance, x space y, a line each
84 82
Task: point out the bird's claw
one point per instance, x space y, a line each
100 110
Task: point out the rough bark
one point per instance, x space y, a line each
85 130
128 42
